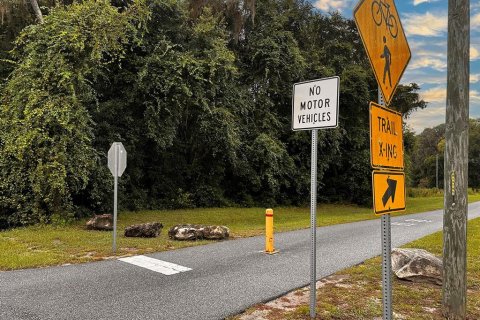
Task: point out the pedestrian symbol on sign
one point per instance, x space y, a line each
388 61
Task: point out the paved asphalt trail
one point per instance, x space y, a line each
226 277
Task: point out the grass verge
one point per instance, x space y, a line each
47 245
355 293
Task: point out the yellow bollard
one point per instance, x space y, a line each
269 232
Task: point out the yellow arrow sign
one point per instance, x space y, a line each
387 48
388 191
386 137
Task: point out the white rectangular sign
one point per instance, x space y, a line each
315 104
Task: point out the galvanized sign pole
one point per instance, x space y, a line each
117 162
313 226
386 254
115 203
115 192
386 267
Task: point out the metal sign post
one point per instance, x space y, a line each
315 106
117 162
115 207
386 267
313 226
386 254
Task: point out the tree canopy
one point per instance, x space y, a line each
199 92
430 144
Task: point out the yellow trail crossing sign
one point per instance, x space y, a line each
388 191
386 138
387 48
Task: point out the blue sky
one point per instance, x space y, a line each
425 23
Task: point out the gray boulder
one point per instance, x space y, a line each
145 230
100 222
198 232
216 232
417 265
185 232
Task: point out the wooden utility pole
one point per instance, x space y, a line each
456 162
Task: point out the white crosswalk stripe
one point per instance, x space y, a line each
164 267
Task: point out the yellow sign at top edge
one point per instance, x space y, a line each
387 48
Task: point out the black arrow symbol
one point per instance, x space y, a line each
390 192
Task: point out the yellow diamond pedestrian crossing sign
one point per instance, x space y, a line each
387 48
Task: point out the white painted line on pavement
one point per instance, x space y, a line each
165 264
164 267
420 221
402 224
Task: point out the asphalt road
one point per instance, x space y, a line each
225 277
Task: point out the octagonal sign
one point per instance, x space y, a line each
117 159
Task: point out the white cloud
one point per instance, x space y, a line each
440 53
475 104
474 78
437 60
427 62
417 2
474 96
428 54
421 78
436 94
430 117
474 54
332 5
428 44
475 21
426 24
434 114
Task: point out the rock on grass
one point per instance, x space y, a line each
100 222
198 232
145 230
417 265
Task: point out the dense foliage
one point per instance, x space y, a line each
199 92
430 144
